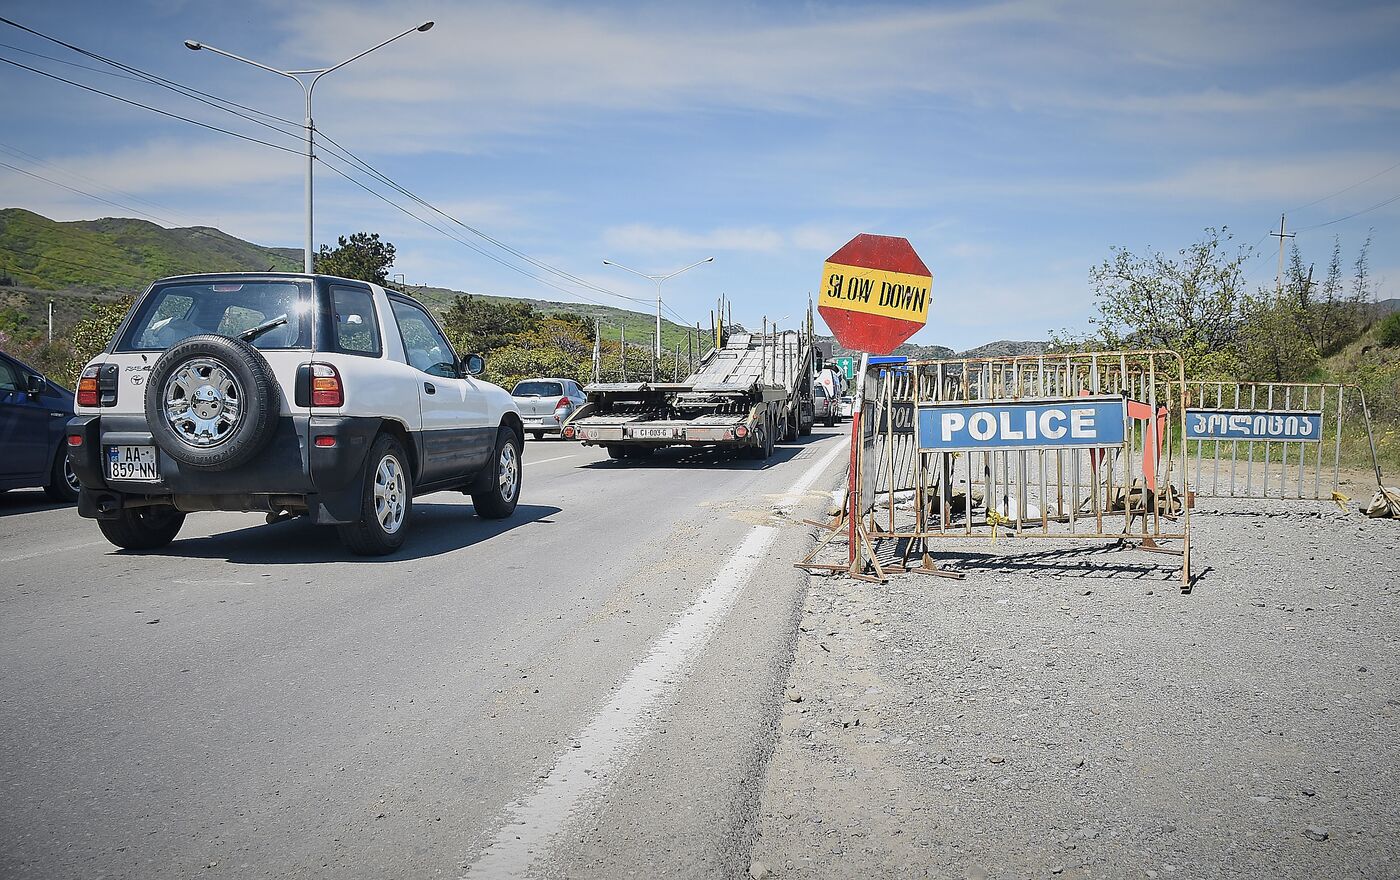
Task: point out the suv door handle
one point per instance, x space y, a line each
430 387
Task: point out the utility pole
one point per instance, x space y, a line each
50 322
597 347
622 351
1281 235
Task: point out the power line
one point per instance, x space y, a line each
153 78
81 192
150 108
347 155
461 241
69 63
24 155
1346 189
1394 198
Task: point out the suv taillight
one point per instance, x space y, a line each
88 394
326 389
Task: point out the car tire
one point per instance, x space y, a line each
831 421
498 488
203 434
386 502
790 428
63 483
537 435
142 528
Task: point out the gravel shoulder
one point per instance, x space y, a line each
1065 712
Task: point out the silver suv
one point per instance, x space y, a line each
292 395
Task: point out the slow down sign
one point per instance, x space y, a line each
875 293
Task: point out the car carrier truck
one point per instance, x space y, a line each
748 392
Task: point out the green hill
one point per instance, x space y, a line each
640 326
121 254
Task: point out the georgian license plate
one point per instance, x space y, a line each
653 433
132 463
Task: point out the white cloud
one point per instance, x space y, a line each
529 66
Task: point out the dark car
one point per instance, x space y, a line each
33 414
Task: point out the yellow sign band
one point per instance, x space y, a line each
875 292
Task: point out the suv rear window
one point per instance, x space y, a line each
538 389
177 311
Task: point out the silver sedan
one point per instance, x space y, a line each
545 404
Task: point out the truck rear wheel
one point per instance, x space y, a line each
791 428
763 447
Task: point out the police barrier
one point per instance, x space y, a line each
1273 439
1064 446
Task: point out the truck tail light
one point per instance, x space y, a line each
88 394
75 439
568 432
326 389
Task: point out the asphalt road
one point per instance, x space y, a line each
588 689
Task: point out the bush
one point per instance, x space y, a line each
1390 330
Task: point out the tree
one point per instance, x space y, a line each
481 325
91 335
363 257
1389 334
1190 303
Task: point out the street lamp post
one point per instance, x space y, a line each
307 89
657 279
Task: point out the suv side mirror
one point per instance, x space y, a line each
34 384
473 365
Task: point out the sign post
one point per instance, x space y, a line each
874 296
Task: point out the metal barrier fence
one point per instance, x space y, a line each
1053 446
1272 439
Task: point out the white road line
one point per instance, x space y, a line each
37 553
532 823
548 460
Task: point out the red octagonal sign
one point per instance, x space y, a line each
875 293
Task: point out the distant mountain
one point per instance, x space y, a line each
1385 307
1000 348
1005 348
122 254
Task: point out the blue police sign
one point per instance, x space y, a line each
1045 424
1241 424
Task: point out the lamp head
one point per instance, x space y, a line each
425 26
193 45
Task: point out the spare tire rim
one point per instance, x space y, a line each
509 472
390 494
203 403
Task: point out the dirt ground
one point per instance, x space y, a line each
1065 712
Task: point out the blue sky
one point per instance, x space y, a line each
1012 143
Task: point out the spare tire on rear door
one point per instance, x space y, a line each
212 402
